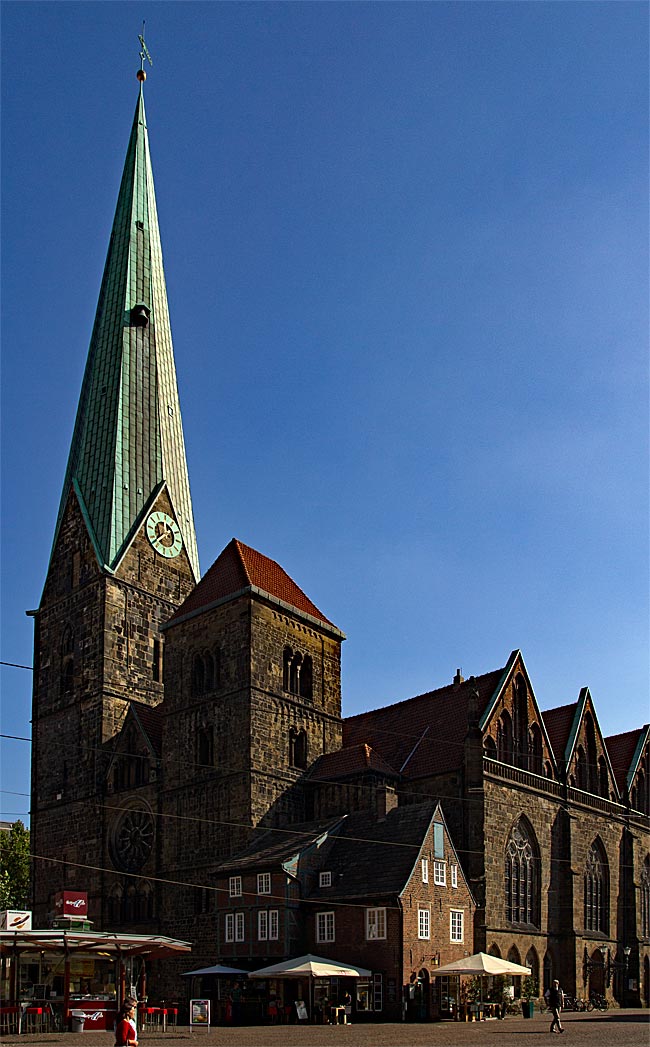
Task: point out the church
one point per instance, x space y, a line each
205 784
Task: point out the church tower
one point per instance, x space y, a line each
124 554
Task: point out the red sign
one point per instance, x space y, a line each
71 903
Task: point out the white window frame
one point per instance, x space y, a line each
454 876
235 887
457 933
234 931
440 873
424 924
262 925
264 883
325 879
274 925
424 866
375 924
267 925
325 927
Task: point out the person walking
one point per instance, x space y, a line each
556 1002
126 1032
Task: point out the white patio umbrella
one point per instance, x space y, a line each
479 965
311 967
217 969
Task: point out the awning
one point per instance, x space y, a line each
310 966
98 942
216 970
481 963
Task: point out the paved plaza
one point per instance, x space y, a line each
620 1028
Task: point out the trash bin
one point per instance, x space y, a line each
77 1019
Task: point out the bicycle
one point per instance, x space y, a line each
597 1002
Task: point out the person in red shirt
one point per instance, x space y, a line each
126 1032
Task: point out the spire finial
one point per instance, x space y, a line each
144 53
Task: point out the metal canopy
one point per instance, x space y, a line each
99 942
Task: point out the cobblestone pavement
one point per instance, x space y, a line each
620 1028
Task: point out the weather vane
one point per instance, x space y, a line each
144 53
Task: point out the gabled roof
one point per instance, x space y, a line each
240 569
273 847
558 723
373 857
625 751
353 759
422 735
150 719
127 444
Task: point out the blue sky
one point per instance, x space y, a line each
406 249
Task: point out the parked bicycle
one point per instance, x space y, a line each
598 1002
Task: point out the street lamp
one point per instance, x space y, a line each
609 966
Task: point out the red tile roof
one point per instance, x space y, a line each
423 735
621 749
558 723
240 567
353 759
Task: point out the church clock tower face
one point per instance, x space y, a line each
164 534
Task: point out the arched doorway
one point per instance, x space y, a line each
597 973
425 997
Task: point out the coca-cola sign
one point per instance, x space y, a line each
71 903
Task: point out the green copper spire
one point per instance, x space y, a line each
128 438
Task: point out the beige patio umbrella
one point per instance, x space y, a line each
479 965
310 966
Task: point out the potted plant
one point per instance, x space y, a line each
528 996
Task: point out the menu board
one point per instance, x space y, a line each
200 1012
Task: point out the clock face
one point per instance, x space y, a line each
164 534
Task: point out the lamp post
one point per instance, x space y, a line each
609 966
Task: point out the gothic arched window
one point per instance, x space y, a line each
581 768
294 673
306 678
198 675
208 661
592 755
535 749
298 748
522 880
287 655
645 899
490 748
603 777
596 889
504 737
520 728
67 662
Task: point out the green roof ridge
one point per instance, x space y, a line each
128 436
